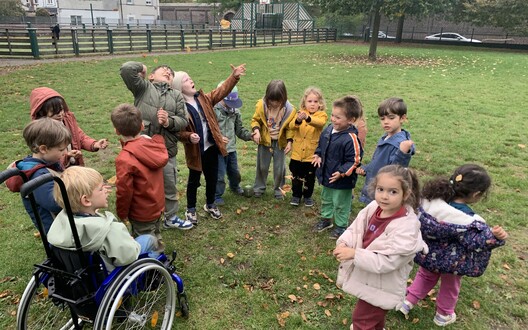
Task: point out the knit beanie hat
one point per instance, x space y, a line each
177 81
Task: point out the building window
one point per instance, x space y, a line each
101 21
148 2
76 20
130 2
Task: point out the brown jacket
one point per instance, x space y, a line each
207 101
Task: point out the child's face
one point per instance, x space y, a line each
392 123
99 197
339 119
273 104
57 116
53 155
188 86
312 103
163 74
389 194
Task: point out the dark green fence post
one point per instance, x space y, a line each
110 39
255 38
273 37
326 34
149 39
75 41
182 39
166 36
32 32
304 36
289 37
84 27
210 39
234 38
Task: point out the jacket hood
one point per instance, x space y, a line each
150 152
39 95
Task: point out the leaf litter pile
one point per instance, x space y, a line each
382 59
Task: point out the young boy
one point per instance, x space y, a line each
230 122
164 113
394 147
97 231
47 139
203 139
140 198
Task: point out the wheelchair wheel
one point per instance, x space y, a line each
184 305
142 296
37 311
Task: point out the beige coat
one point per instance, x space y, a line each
378 274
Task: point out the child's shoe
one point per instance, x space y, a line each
238 191
295 201
322 225
337 232
219 201
308 202
441 320
213 211
406 308
190 215
175 222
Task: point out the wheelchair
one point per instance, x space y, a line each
72 289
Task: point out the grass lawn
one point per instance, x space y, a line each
260 267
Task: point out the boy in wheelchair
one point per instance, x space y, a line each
98 231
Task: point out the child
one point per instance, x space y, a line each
460 244
230 122
203 139
377 250
394 147
337 156
163 112
46 102
272 133
140 197
47 139
307 128
97 231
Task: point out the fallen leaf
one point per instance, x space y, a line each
292 297
8 279
522 146
431 292
36 234
476 304
112 180
5 293
230 255
286 188
344 321
289 177
304 317
415 320
222 260
505 266
330 296
316 286
285 315
327 312
238 211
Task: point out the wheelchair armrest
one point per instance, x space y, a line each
30 186
4 175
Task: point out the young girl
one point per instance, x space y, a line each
46 102
272 133
377 250
337 156
203 139
460 242
307 128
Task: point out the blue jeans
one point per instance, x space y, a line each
229 165
149 244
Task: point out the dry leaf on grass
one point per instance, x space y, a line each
230 255
415 320
317 286
344 321
222 260
293 298
303 316
476 304
327 313
506 266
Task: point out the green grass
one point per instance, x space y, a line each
464 106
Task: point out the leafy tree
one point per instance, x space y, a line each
11 8
511 15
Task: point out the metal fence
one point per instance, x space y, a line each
39 42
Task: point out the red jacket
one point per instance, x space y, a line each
139 173
79 139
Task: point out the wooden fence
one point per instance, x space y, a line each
38 42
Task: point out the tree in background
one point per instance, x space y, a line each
12 8
512 15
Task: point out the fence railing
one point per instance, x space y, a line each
39 42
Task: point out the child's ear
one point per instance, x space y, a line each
85 201
42 149
142 127
116 131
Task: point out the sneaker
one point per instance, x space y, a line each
238 191
406 308
279 197
322 225
213 211
295 201
219 201
308 202
441 320
337 232
190 215
176 222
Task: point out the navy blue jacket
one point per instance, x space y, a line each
340 152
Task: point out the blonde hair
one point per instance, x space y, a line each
317 92
79 181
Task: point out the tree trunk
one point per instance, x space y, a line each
374 39
399 31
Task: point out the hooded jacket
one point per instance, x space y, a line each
306 135
139 178
378 274
387 152
79 141
231 126
101 233
149 97
260 121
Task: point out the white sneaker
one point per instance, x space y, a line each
178 223
443 320
213 211
406 308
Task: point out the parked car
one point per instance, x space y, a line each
451 36
382 35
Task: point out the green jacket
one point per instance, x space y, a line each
102 233
231 126
149 97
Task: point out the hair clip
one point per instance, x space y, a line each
458 178
451 182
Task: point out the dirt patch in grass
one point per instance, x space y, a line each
352 60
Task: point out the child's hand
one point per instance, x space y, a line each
256 136
225 139
194 138
316 161
163 117
288 147
143 72
301 116
335 176
361 171
405 146
499 232
239 70
343 253
74 153
101 144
